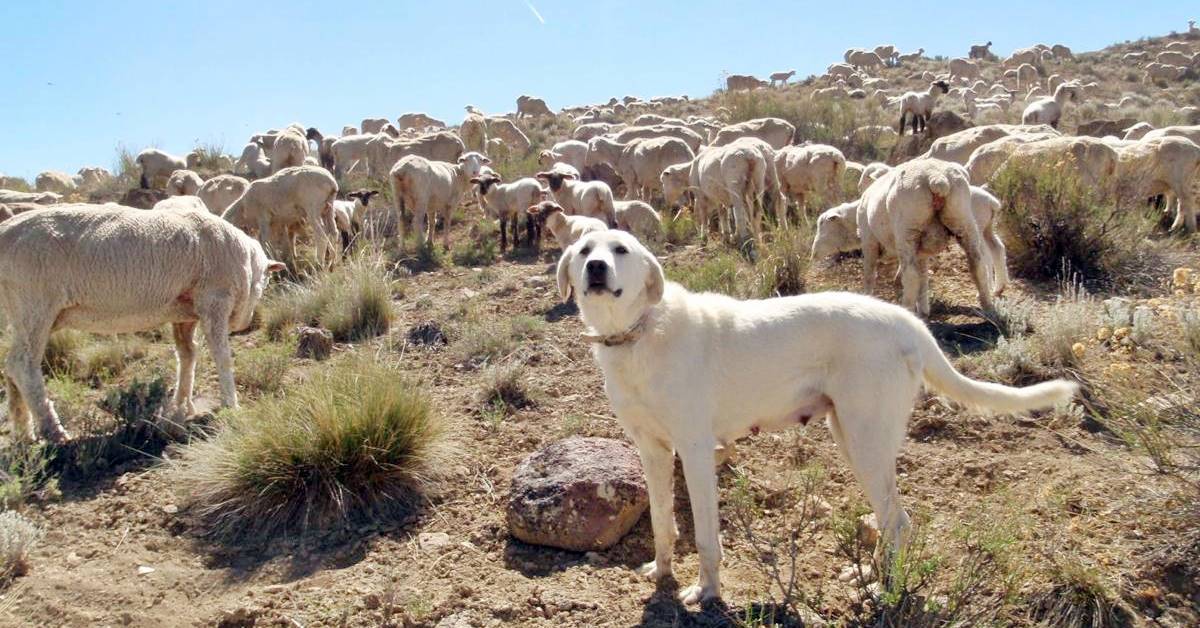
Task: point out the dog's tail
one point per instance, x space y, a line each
941 376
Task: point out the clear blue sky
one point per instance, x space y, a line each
82 77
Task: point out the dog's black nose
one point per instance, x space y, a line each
596 267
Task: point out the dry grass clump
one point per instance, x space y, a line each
18 535
780 268
356 440
262 369
480 339
353 301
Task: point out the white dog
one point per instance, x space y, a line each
686 373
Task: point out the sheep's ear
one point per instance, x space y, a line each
275 267
655 281
474 179
542 175
569 175
487 160
564 272
533 210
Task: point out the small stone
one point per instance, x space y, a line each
144 570
1121 333
314 343
432 540
170 509
427 334
1079 350
1182 277
1104 333
372 601
537 281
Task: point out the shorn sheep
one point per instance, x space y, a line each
156 166
506 202
1050 110
219 192
431 189
284 201
899 208
112 269
583 198
919 105
775 131
253 162
184 183
638 218
289 150
1164 165
810 169
781 78
528 106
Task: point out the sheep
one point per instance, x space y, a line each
781 77
629 134
1061 52
1133 57
582 198
871 173
349 150
1164 165
733 176
156 166
289 150
980 51
219 192
324 146
506 130
1091 160
957 147
372 125
808 169
441 146
896 212
640 161
1050 110
506 202
674 181
963 68
532 107
350 214
184 183
864 59
431 188
1162 72
743 82
1174 57
1137 131
638 218
586 132
887 53
473 133
41 198
285 200
253 162
349 130
417 120
840 70
180 203
919 105
824 93
1032 56
775 131
571 152
567 229
1026 74
92 176
1190 132
837 232
113 269
910 57
54 181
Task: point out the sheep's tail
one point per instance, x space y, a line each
940 375
939 184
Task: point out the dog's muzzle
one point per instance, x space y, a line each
596 273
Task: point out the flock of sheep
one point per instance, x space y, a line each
199 257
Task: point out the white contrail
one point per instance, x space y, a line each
535 12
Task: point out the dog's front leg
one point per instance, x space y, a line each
658 463
702 490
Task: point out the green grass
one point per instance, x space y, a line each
353 301
480 247
23 474
263 369
356 441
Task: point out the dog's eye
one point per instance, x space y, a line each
585 250
620 249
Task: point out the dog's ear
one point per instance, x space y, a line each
655 281
564 273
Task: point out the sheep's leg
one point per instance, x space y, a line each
999 260
214 315
910 276
967 233
23 366
781 213
871 252
185 358
1185 211
902 123
504 233
447 214
923 291
18 412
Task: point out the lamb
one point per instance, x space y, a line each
640 162
1050 110
350 214
896 212
157 166
532 107
674 181
919 105
1164 165
638 218
473 133
289 150
113 269
910 57
566 229
582 198
219 192
964 69
980 51
253 162
431 188
837 232
810 169
54 181
506 130
571 152
184 183
506 202
743 82
41 198
781 77
285 200
775 131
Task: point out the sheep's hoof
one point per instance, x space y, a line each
55 434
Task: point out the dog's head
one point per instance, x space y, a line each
613 276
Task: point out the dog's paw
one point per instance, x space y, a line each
652 571
697 594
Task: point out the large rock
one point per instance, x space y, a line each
314 343
580 494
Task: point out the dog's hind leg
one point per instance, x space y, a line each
702 491
658 463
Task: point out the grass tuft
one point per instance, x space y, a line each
353 301
18 536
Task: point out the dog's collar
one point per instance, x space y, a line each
627 337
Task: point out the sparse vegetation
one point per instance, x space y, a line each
17 537
353 301
263 369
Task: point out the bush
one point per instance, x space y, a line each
678 228
23 474
353 301
1054 227
356 441
262 370
503 386
783 262
17 537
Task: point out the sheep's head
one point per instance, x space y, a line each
555 179
485 181
364 196
543 211
943 85
473 163
313 134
